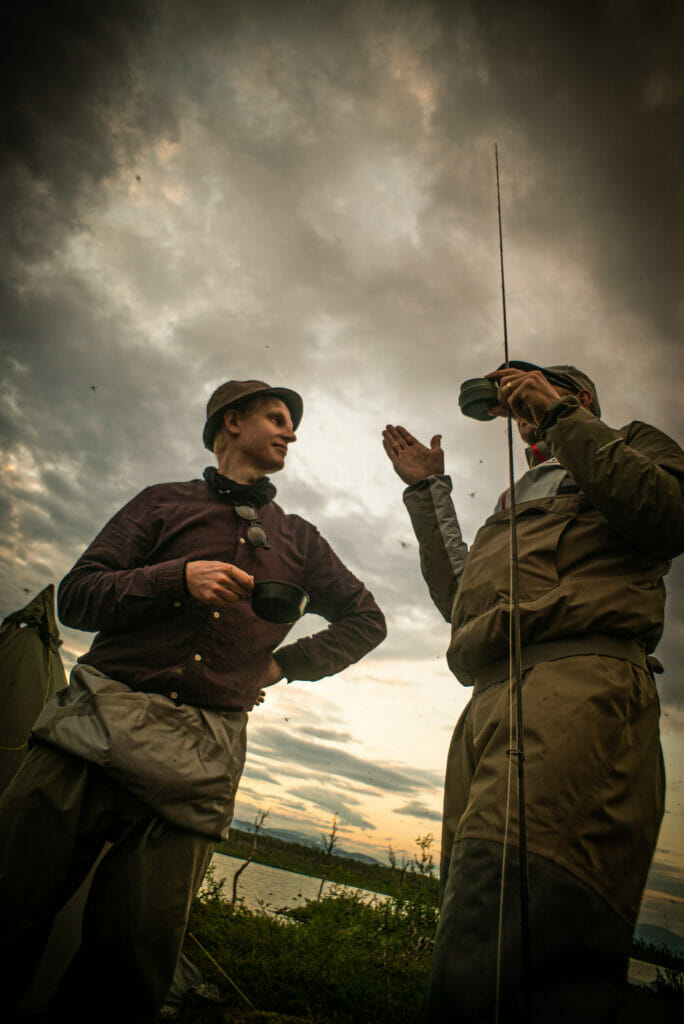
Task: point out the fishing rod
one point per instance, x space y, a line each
517 753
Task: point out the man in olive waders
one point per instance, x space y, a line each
600 514
146 746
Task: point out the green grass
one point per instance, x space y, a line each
339 961
336 960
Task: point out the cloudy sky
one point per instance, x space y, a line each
305 193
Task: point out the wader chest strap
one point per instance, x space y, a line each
608 645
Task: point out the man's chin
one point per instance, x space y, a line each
276 462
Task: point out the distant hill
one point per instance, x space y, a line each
286 834
303 838
354 855
655 935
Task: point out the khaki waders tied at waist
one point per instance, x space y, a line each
184 762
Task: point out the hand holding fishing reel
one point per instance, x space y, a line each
501 393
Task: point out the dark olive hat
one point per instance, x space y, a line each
233 391
565 377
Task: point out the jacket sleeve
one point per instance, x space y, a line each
111 587
634 476
442 549
356 623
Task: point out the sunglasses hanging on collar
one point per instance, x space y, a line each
256 534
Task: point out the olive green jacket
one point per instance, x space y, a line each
598 522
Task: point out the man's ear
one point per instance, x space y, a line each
585 398
231 421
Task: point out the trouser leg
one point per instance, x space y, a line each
461 762
41 864
134 924
594 785
580 946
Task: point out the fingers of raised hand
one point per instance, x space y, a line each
389 443
392 439
405 437
398 439
411 459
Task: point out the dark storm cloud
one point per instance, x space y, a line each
85 87
332 735
275 744
84 384
65 72
82 398
417 810
595 92
334 803
256 772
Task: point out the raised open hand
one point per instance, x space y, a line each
412 460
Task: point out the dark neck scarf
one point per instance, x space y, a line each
257 494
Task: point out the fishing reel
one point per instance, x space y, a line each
477 396
480 394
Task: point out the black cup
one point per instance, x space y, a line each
281 602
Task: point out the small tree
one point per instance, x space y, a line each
259 820
400 873
425 865
329 843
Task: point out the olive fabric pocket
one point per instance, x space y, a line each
486 580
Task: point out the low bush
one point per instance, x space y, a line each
337 960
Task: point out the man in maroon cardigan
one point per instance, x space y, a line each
146 746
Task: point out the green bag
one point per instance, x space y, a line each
31 670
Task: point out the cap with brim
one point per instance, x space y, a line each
233 391
564 376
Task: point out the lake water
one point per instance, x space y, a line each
268 890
